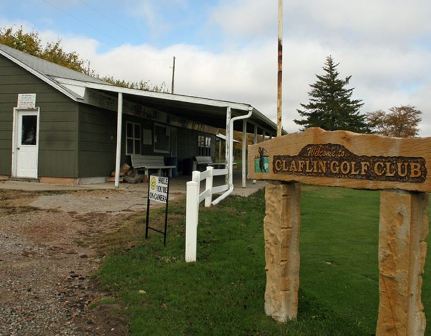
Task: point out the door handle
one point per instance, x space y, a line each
17 148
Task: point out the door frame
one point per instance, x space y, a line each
15 132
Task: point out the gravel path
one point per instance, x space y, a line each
46 286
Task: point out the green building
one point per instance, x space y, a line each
57 124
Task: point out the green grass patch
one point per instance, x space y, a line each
222 294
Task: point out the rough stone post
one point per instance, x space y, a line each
281 231
402 251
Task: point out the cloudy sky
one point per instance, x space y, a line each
226 49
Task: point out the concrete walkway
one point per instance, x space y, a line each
178 186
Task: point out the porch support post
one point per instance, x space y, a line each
281 233
119 128
403 235
219 150
244 153
255 142
228 135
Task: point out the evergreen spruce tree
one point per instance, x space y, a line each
331 106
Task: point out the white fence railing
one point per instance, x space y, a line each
193 198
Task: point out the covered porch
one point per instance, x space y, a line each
175 120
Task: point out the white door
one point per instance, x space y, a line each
27 147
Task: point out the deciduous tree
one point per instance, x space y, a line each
331 106
31 43
400 121
141 85
20 40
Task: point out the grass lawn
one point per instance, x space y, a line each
222 294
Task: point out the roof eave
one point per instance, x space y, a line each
42 77
179 98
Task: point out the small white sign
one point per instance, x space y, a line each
158 189
26 101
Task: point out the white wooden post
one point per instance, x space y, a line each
255 142
192 216
228 142
244 153
118 151
209 186
196 176
219 150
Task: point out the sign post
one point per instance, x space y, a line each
158 191
399 168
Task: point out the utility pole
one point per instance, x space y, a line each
280 68
173 75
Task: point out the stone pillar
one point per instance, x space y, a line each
281 231
402 251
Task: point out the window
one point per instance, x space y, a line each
28 130
162 138
204 145
133 138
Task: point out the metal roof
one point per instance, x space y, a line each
73 84
47 68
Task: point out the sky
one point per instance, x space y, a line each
227 49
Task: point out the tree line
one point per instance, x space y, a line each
330 105
31 43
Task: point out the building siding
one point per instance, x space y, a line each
77 140
97 141
188 148
58 138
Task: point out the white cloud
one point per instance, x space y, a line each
86 47
246 18
370 19
375 41
380 76
151 11
27 26
380 43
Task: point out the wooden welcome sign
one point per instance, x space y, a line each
398 167
344 159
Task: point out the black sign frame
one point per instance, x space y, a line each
147 220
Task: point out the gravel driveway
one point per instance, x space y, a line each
46 286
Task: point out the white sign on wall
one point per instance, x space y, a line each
26 101
158 191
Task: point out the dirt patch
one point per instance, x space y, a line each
105 201
51 244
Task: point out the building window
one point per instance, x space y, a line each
204 145
162 138
133 138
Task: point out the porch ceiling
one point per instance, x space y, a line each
211 115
